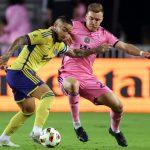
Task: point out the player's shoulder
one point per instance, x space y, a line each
78 21
62 44
45 33
103 30
48 31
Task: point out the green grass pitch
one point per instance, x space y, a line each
136 128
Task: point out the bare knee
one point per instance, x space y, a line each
71 85
112 101
28 110
119 108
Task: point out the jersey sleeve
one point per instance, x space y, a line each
38 37
63 48
111 39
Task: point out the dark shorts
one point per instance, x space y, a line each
23 83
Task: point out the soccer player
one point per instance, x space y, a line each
80 81
38 48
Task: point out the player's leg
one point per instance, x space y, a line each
21 85
111 100
34 87
71 87
46 97
27 109
100 94
26 84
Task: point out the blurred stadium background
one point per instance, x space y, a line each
128 20
128 76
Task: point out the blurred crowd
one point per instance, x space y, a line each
14 24
17 21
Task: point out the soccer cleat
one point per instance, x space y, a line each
81 134
7 143
119 138
35 138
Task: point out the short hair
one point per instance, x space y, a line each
63 19
95 7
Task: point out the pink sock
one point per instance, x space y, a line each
74 103
115 120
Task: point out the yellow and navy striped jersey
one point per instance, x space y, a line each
40 49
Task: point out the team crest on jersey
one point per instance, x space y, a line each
87 40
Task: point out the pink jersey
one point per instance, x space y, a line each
83 38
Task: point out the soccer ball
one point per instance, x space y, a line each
50 137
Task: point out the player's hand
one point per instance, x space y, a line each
146 55
3 61
51 28
68 39
103 48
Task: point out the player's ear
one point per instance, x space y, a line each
54 26
102 16
85 16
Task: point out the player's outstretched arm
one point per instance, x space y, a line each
86 52
131 49
17 44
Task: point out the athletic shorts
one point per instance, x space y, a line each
90 88
22 83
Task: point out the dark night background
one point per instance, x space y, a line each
129 16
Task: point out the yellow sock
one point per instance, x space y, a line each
43 109
16 121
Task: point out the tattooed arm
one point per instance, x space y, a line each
132 50
18 43
86 52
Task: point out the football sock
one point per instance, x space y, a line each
74 104
115 120
77 124
4 137
43 110
16 121
37 130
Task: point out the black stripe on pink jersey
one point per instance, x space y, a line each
115 43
